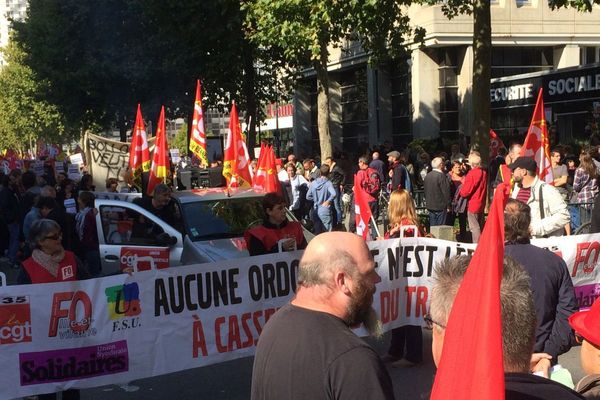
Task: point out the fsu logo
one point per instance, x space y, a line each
15 320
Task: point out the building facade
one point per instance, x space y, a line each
428 94
9 10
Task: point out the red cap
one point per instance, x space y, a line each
587 323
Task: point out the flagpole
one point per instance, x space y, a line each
375 225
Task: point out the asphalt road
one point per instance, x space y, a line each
231 380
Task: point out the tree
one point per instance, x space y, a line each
482 60
180 141
102 58
580 5
24 117
482 46
298 33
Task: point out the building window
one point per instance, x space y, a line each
507 61
355 108
590 55
401 102
448 92
521 3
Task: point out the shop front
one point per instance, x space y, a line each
571 102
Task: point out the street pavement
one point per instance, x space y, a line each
231 380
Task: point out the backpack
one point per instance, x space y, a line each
372 185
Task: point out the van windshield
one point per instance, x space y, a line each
221 219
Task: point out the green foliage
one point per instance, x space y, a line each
24 117
579 5
102 58
297 31
180 141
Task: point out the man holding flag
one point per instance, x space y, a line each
549 213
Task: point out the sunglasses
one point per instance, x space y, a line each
56 236
430 322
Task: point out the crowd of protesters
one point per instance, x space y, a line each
49 233
27 198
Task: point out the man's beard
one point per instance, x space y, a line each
360 311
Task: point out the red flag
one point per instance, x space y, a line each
236 163
258 180
362 210
272 184
471 364
198 135
495 144
160 158
139 153
537 143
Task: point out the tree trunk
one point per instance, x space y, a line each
122 127
323 105
249 94
482 50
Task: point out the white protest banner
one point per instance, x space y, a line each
107 158
121 328
76 158
175 157
59 166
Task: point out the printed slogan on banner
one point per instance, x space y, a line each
163 320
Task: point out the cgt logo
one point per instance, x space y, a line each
124 305
71 315
15 320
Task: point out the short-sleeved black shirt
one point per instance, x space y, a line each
306 354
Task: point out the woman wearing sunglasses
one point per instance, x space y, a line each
587 332
49 261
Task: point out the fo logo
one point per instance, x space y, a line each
15 320
123 300
71 315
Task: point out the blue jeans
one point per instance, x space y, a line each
321 217
337 203
437 217
14 229
575 218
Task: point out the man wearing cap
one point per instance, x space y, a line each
549 213
397 172
587 330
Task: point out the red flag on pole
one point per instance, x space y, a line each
495 144
198 135
272 184
160 158
236 163
139 152
258 180
471 364
537 142
362 210
265 179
